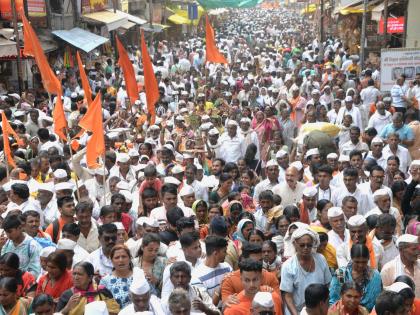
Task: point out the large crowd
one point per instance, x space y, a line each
282 182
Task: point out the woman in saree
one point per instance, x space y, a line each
349 303
297 105
264 128
10 303
201 211
84 291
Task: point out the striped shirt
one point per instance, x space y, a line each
210 278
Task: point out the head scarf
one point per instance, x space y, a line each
241 224
194 208
302 231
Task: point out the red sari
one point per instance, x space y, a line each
62 284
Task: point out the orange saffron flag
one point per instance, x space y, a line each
128 71
212 52
85 81
33 48
150 83
7 130
93 122
60 122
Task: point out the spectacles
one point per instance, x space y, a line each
308 245
110 238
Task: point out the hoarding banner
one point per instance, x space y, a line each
397 61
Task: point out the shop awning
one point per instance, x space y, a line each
377 11
131 18
110 19
81 38
355 6
7 48
128 25
181 16
154 28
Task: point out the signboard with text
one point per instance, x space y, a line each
395 25
398 61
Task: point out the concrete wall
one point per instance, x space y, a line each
413 24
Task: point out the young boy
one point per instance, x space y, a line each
107 215
149 201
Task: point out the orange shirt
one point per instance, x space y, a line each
245 305
49 229
64 283
232 284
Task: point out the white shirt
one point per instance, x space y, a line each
96 190
101 263
355 114
91 242
210 278
349 146
362 199
343 253
252 137
115 171
392 211
381 161
80 254
365 187
403 155
159 213
289 196
379 121
369 95
262 186
155 307
201 191
335 240
232 149
325 194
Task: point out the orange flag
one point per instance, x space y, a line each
150 83
85 81
128 70
7 130
33 48
212 52
60 122
92 121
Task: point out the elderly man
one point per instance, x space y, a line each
180 277
232 144
272 172
406 263
290 191
382 199
380 118
354 143
95 185
376 147
262 303
141 298
358 235
350 109
250 136
404 132
376 180
123 169
338 234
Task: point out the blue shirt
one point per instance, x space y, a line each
405 132
371 289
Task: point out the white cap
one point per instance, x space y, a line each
154 127
415 163
356 220
127 195
66 244
297 165
60 173
101 171
46 251
179 118
186 190
380 193
335 212
332 156
232 122
397 287
310 191
348 99
280 154
144 156
344 158
123 157
171 180
96 308
139 286
133 153
245 120
49 186
151 222
315 91
177 169
377 140
264 299
310 152
141 220
272 163
122 185
64 186
119 225
213 132
407 238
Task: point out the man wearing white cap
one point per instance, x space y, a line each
213 144
142 299
262 302
282 158
123 169
394 148
46 202
187 195
272 172
313 157
376 146
376 180
95 185
291 190
406 263
383 202
350 109
380 118
250 136
308 210
60 176
232 144
201 191
359 235
339 234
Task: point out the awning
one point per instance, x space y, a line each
81 38
110 19
377 11
356 6
155 28
128 25
7 48
131 18
181 16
